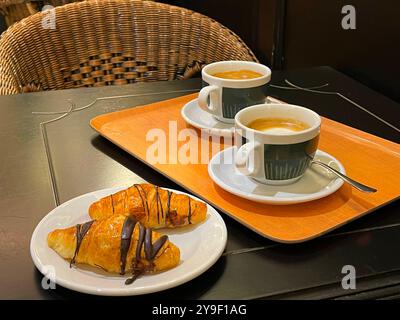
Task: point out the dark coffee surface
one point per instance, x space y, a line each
238 75
275 124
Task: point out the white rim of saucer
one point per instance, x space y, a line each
213 131
335 185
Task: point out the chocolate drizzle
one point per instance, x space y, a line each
165 212
142 231
168 206
147 244
159 204
145 204
126 236
156 246
112 203
189 211
150 251
81 231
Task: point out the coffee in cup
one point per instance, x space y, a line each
238 74
278 125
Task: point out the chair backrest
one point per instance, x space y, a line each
111 42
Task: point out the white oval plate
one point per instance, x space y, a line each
200 246
315 184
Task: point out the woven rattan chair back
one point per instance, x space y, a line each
112 42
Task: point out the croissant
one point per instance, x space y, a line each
152 206
117 244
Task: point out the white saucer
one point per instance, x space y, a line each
203 120
316 183
198 118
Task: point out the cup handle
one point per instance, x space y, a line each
203 96
242 158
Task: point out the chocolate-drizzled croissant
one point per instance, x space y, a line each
152 206
117 244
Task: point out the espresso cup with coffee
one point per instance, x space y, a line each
230 86
276 142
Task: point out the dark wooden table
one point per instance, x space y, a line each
44 165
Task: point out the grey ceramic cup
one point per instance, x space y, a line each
275 158
224 98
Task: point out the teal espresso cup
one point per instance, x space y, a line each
224 98
275 155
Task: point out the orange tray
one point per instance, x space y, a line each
371 159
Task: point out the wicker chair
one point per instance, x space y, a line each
112 42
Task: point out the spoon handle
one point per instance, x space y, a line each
355 184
